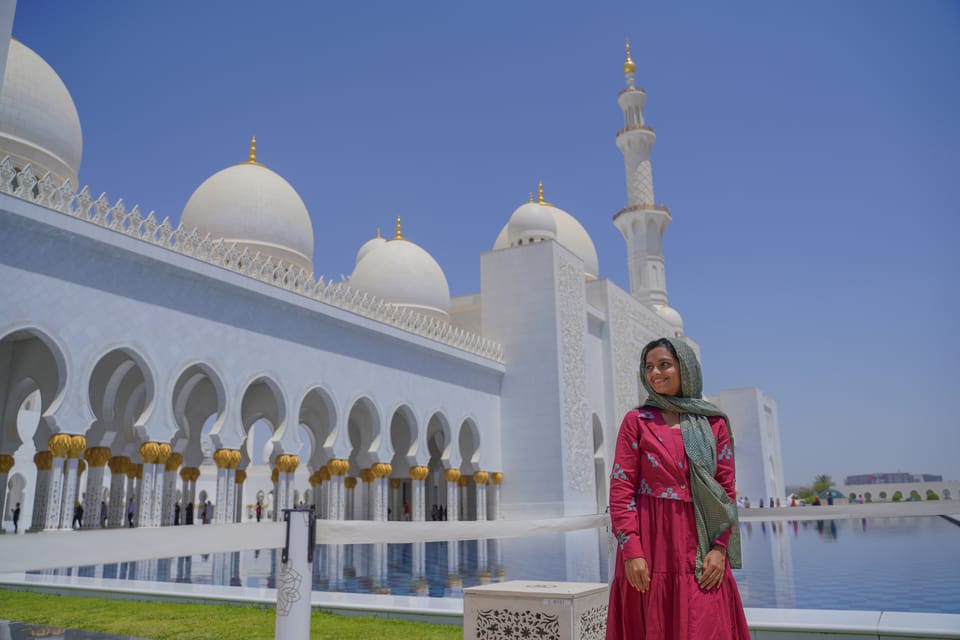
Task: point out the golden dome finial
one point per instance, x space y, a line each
399 233
628 65
531 196
540 199
253 150
378 233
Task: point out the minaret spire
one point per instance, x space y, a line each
642 222
629 68
399 235
253 151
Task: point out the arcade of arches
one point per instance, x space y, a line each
121 476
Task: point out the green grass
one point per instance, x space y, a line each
163 621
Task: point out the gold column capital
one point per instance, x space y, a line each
97 456
324 474
43 460
81 467
241 475
287 463
349 482
174 462
496 477
381 470
314 478
275 475
6 463
78 445
419 473
118 464
463 481
451 475
226 458
366 475
163 453
59 445
481 477
338 466
149 452
395 483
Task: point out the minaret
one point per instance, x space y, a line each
642 222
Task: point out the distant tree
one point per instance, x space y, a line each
932 495
804 493
822 483
915 496
897 497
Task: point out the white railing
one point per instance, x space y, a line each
233 257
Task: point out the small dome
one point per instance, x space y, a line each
39 124
672 317
369 246
251 205
401 273
531 222
570 234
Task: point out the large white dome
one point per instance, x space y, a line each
401 273
570 234
531 222
251 205
39 124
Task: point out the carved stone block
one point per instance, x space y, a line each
530 609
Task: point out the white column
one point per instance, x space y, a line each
170 469
54 503
349 498
226 461
418 509
97 460
293 604
118 477
493 496
146 493
41 495
239 478
480 479
452 476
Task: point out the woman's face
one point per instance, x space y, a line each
662 371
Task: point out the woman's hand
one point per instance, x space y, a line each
638 574
714 566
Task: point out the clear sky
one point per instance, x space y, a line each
809 153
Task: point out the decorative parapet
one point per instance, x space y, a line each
24 185
635 127
643 207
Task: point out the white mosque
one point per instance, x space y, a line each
139 357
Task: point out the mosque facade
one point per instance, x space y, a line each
139 357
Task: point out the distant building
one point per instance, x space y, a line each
892 478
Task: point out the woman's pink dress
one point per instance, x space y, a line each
652 516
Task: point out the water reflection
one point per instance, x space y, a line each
829 564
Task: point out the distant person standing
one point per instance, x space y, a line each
189 513
131 512
16 517
176 514
103 514
259 511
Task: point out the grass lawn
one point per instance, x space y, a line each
162 620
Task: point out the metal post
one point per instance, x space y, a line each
294 584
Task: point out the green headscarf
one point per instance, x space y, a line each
714 511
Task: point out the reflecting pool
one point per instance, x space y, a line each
890 564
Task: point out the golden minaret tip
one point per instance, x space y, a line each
628 65
540 199
253 151
399 233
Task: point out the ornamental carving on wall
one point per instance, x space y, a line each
632 328
593 623
503 624
573 326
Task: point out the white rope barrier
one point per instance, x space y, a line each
59 549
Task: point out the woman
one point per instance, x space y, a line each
673 512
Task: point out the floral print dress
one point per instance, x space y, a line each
652 517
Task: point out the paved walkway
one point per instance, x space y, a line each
23 631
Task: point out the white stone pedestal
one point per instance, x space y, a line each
543 610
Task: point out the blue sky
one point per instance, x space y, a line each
809 153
